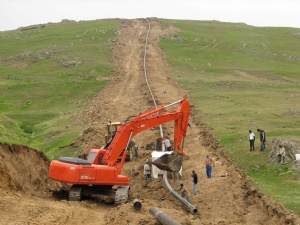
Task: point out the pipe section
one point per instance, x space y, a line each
137 204
162 217
191 207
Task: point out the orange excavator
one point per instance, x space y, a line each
100 173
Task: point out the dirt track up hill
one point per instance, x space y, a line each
228 198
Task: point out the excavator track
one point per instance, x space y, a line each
118 196
75 193
122 195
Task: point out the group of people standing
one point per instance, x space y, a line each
209 163
262 139
184 192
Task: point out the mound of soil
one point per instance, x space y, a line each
24 170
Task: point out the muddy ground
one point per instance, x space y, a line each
29 197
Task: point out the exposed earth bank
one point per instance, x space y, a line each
228 198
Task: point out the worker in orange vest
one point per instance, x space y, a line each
209 163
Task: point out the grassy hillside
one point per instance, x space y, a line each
46 73
240 78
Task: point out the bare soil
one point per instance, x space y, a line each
29 197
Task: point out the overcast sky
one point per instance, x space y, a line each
278 13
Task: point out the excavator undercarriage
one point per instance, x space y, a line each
108 194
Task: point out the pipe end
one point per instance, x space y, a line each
137 204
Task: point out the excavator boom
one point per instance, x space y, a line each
146 121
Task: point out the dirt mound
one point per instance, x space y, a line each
25 170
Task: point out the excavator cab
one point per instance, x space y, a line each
111 130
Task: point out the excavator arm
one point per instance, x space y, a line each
146 121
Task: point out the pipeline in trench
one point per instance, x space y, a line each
189 205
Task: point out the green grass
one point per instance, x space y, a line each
240 78
46 74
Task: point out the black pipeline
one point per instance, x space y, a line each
191 207
162 217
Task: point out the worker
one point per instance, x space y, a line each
147 170
136 153
195 181
184 193
208 164
167 144
262 138
157 144
175 177
252 140
281 154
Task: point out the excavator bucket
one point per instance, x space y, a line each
169 162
